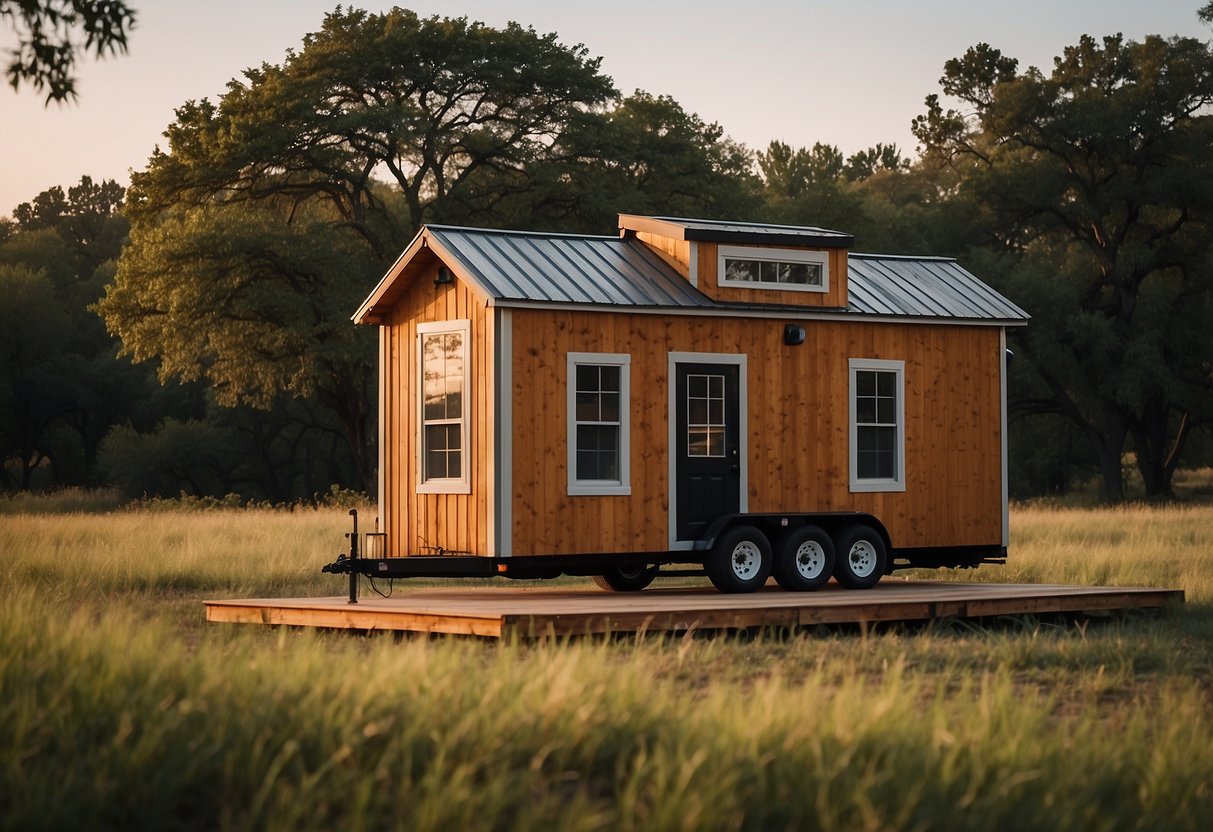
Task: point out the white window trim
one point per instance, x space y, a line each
773 255
446 485
897 482
623 485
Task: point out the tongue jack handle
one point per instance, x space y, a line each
353 538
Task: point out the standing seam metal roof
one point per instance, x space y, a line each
560 268
615 271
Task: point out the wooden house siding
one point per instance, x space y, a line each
418 523
677 253
798 426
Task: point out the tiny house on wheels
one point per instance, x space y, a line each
754 400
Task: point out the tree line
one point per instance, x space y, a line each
192 334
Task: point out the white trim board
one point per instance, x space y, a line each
503 409
790 313
380 432
1006 487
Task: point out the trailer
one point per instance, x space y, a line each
737 399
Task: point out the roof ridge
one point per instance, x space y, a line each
744 224
934 258
511 232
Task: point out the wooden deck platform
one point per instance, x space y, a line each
539 611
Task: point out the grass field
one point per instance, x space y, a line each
120 707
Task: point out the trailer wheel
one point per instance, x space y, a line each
861 557
740 560
625 578
804 559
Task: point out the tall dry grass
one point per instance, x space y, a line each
120 708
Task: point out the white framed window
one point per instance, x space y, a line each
877 419
599 442
443 374
795 270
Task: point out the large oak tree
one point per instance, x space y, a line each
275 209
1095 180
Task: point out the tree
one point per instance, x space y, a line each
47 39
235 295
268 219
440 107
1097 180
645 155
69 389
34 382
875 194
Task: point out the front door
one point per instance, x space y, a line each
707 445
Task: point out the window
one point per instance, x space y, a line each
705 415
598 438
443 376
774 268
877 425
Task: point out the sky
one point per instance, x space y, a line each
849 73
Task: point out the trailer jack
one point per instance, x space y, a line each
348 564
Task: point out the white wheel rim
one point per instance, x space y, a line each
862 558
746 560
810 560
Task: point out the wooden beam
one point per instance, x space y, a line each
528 613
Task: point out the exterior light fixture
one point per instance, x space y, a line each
445 277
793 335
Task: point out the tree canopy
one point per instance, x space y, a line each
273 209
48 40
1098 179
1082 192
441 108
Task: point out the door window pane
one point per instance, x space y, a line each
705 415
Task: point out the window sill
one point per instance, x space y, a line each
444 487
604 490
870 486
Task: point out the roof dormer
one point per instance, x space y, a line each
749 262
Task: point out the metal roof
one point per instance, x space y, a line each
936 287
566 268
530 267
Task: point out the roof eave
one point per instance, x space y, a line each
369 312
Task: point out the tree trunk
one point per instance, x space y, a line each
1109 444
1156 451
350 399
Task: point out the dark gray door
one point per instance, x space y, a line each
707 447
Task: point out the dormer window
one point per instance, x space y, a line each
744 267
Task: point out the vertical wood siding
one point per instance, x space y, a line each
456 522
677 253
798 426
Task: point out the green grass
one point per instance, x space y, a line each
120 707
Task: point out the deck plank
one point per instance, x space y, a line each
495 612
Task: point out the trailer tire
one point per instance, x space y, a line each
625 578
740 560
804 559
860 557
